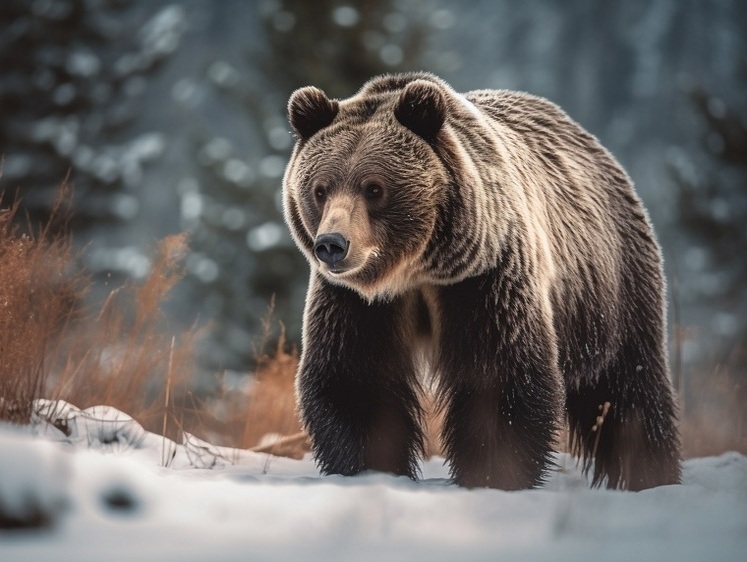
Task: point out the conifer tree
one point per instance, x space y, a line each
244 258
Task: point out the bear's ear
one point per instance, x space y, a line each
309 110
422 109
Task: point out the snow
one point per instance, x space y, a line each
109 489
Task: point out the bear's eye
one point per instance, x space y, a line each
320 192
373 191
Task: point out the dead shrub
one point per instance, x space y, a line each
125 358
52 346
39 297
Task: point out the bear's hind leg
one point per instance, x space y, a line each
498 384
492 441
624 423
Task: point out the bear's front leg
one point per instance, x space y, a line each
498 383
357 385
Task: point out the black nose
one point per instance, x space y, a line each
331 248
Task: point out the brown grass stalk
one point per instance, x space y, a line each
260 413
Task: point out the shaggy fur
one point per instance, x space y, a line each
489 240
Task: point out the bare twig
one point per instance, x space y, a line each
166 401
604 409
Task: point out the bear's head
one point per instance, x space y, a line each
365 184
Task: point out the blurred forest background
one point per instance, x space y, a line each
170 116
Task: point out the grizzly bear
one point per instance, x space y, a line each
488 241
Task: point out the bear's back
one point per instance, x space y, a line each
544 137
581 188
580 199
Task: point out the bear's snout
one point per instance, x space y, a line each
331 248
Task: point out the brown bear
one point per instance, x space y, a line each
488 240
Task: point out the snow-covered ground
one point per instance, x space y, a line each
107 490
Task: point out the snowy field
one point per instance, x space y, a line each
104 489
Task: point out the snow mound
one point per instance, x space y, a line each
32 480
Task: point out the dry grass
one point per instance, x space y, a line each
52 347
39 299
260 412
123 357
716 415
122 354
271 407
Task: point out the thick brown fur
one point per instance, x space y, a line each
490 241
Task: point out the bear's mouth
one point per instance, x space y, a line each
349 267
339 269
371 278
